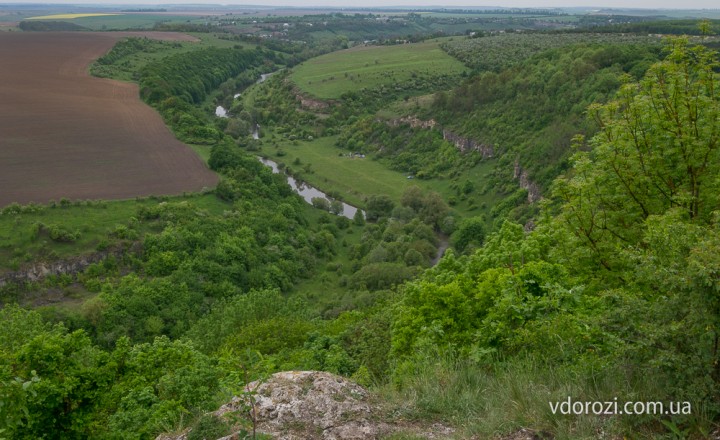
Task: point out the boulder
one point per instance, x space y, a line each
308 405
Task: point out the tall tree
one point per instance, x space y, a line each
657 148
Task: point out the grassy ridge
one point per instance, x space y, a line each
331 75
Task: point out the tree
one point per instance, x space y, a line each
642 208
471 231
657 148
413 197
434 209
320 203
705 27
379 206
359 218
336 207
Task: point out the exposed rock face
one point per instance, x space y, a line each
461 143
311 104
413 122
295 405
465 144
40 271
524 180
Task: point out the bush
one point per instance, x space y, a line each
209 427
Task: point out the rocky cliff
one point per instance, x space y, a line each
465 144
521 175
38 271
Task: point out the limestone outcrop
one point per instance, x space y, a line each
313 405
296 405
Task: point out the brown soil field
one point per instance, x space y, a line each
64 133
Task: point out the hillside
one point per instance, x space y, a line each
537 233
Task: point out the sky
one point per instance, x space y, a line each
647 4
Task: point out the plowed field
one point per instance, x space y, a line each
66 134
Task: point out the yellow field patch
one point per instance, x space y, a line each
66 16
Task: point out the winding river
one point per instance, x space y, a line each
308 192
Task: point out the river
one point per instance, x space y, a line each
308 192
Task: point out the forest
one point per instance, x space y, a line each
605 287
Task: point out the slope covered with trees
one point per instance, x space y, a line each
618 284
613 294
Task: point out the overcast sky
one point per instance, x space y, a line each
647 4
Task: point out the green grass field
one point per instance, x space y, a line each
95 221
354 179
331 75
129 21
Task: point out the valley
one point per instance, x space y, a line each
536 222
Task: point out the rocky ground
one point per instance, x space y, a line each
304 405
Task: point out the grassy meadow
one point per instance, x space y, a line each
331 75
119 21
322 164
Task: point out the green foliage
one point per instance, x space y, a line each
176 83
422 153
614 292
378 206
498 52
407 67
377 276
49 26
656 150
229 318
189 77
209 426
471 231
359 218
59 234
666 27
622 280
162 381
529 112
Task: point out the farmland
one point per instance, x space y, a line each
331 75
66 134
131 21
67 16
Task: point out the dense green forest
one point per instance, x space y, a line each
605 289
